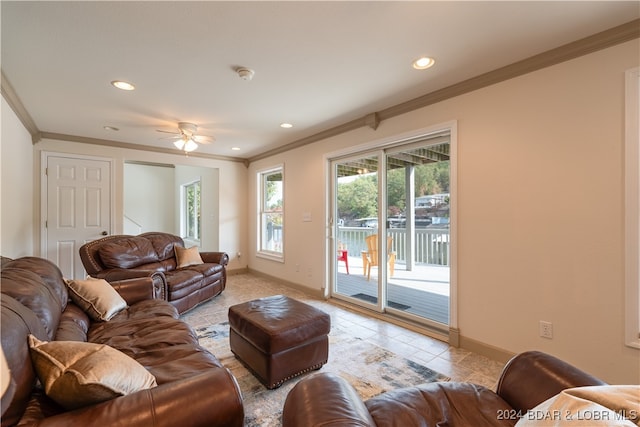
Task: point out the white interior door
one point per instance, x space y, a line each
77 208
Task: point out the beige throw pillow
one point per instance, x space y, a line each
96 297
606 406
186 257
77 374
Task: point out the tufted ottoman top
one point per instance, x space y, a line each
277 323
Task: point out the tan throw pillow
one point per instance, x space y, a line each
186 257
77 374
96 297
606 406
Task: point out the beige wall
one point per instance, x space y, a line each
540 210
547 147
17 215
148 202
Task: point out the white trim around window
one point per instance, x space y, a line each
270 215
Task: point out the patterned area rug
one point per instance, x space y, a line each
370 369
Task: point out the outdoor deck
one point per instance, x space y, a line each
423 291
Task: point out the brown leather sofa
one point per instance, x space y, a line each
120 257
193 388
530 378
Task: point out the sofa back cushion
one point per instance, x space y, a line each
128 252
29 289
163 243
48 271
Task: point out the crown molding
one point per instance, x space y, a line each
16 105
590 44
605 39
129 146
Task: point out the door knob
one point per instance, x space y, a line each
104 233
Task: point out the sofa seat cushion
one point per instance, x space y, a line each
183 282
146 309
440 403
182 361
207 269
146 335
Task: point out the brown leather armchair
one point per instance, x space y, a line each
193 388
121 257
527 380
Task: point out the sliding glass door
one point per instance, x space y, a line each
356 212
391 229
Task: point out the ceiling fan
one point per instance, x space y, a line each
186 138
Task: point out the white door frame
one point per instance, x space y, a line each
381 144
44 156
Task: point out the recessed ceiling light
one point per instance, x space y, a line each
286 125
111 128
123 85
423 63
235 148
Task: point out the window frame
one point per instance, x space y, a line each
186 216
632 208
264 210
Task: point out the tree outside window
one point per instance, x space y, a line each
191 211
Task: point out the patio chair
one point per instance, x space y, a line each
343 255
370 256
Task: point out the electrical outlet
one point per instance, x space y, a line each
546 329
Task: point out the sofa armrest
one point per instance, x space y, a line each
532 377
114 274
221 258
140 289
209 399
324 399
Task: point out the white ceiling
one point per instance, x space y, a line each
317 64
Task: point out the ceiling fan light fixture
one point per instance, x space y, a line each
190 145
423 63
179 144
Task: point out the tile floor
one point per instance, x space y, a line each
459 364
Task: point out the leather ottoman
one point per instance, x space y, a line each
278 338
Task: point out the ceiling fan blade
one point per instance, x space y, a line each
166 131
171 138
204 139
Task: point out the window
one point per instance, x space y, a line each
632 208
271 213
191 227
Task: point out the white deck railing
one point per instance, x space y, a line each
431 244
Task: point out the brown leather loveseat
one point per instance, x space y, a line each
527 380
49 334
120 257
